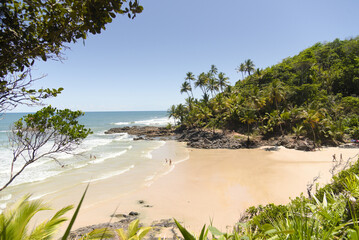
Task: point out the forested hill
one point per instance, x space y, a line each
314 94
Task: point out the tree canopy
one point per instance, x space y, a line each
313 94
34 30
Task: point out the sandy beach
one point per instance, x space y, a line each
215 185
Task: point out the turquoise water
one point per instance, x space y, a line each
98 157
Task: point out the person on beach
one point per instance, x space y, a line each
90 156
170 162
166 160
341 157
334 158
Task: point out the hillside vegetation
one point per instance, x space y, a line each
313 95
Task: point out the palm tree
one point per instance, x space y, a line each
312 117
248 115
190 77
172 113
212 85
213 71
249 66
276 94
242 69
201 82
222 81
14 222
186 87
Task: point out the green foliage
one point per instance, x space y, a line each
134 232
14 221
313 94
38 29
51 129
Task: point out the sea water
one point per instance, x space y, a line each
99 157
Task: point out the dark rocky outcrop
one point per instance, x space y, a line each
208 140
144 133
201 138
166 226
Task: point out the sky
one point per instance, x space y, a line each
140 64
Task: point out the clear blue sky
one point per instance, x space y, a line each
140 64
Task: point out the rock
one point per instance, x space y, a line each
349 145
141 202
138 138
148 206
144 132
133 214
119 215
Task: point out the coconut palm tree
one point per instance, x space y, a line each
172 113
212 85
222 81
276 94
190 77
214 70
249 66
247 115
186 87
242 69
201 82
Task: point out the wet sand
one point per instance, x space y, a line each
215 185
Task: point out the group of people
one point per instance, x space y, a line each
168 161
335 157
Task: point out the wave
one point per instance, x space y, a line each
109 175
150 122
41 195
6 197
117 154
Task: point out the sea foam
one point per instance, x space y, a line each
109 175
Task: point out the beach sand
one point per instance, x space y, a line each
212 185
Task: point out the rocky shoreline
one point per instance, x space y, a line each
199 138
163 227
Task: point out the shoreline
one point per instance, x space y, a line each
204 187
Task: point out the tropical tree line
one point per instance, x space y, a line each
313 94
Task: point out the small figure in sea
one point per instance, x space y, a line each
334 158
94 157
90 156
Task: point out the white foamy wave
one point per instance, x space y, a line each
6 197
5 131
150 178
150 122
109 175
30 177
40 196
80 165
123 137
147 154
182 160
169 170
117 154
2 206
90 144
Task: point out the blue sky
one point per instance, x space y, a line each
140 64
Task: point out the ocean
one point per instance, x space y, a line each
99 157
